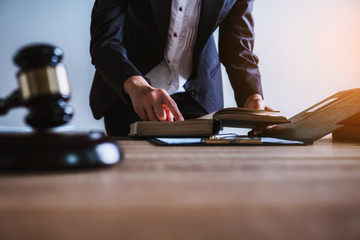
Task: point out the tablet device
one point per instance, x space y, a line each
230 141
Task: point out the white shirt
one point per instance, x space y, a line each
172 73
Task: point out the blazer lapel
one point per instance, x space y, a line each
209 14
161 10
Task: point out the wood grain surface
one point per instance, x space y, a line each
243 192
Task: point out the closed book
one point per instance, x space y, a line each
208 124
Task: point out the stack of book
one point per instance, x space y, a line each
350 131
209 124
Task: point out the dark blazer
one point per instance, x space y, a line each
128 37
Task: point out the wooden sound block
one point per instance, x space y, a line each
56 151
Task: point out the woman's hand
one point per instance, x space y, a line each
151 104
256 101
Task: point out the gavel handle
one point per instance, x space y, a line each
12 101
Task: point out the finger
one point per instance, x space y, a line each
159 112
142 114
260 104
255 104
270 127
269 108
169 115
150 113
173 109
255 132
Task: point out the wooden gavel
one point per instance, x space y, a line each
43 87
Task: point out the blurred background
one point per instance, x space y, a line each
308 50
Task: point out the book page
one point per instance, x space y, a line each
238 110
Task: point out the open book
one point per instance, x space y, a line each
208 124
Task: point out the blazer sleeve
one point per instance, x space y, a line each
236 43
107 49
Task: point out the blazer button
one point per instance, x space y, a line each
193 92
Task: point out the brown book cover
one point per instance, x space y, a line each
347 133
352 120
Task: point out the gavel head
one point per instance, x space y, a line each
44 86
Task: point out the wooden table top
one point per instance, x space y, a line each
243 192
